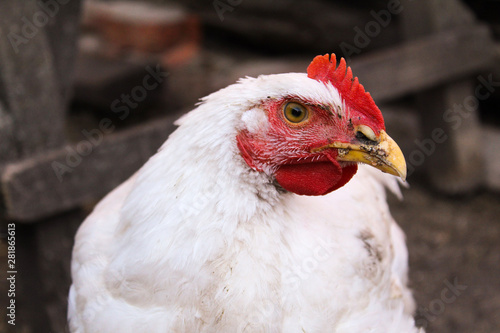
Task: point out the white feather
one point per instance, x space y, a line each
196 241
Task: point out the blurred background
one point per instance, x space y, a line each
89 90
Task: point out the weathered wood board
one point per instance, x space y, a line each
455 165
65 178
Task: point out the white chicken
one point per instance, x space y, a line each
242 223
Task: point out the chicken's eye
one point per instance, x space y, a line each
295 112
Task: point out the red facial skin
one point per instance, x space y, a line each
285 149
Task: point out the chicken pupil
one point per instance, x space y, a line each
296 112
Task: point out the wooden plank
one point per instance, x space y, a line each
456 165
55 239
399 70
62 32
425 62
63 179
491 142
292 26
423 18
37 44
99 81
31 91
7 137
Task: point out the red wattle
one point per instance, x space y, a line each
318 178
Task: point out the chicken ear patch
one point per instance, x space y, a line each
324 68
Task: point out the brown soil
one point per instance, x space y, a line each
453 242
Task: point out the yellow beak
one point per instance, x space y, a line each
385 156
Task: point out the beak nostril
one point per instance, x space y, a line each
361 136
366 135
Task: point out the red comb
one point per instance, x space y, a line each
324 69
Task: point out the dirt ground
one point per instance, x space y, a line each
454 259
453 242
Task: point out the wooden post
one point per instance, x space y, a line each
37 48
456 165
30 86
